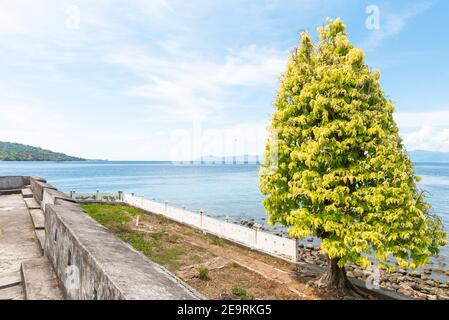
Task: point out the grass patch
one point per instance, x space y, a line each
113 217
242 294
203 273
169 257
161 247
216 240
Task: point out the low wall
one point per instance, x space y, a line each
50 196
90 262
96 197
94 264
13 182
255 239
38 187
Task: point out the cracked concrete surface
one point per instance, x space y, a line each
19 251
17 240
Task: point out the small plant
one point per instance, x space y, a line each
203 273
218 241
242 294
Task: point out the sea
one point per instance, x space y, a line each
221 190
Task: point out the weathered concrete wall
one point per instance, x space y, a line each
50 196
90 262
38 187
94 264
13 182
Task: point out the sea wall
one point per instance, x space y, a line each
91 263
94 264
13 182
38 186
253 238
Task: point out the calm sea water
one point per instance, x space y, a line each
221 190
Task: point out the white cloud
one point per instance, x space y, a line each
392 24
427 138
424 130
29 123
420 119
187 85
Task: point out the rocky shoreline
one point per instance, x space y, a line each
413 284
430 283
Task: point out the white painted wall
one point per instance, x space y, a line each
254 239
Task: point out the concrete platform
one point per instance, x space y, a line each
108 267
31 203
10 280
40 281
12 293
17 241
38 219
4 192
27 193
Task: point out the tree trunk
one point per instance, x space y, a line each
336 282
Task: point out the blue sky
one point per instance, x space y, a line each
161 79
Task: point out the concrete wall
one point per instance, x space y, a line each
95 197
90 262
256 239
49 196
38 186
94 264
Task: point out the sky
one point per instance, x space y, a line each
174 80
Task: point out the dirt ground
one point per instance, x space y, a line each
218 269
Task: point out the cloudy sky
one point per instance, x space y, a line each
162 79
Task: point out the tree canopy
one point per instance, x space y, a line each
342 173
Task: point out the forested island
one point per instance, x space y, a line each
20 152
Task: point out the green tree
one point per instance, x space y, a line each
342 173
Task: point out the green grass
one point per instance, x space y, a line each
160 246
242 294
203 273
110 215
215 240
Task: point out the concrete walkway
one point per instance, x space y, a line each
19 249
17 241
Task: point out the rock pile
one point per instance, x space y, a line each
410 283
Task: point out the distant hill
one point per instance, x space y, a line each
20 152
428 156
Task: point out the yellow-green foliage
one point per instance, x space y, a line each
343 174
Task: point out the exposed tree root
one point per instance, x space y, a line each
335 282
